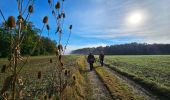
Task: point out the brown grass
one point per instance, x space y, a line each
118 90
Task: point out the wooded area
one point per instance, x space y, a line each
128 49
46 46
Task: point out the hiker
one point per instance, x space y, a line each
101 58
91 60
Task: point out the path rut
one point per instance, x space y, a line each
100 92
136 88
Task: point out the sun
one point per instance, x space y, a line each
135 18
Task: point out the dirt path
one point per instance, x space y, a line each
100 92
136 88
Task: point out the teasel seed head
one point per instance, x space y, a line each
4 67
39 75
45 20
60 47
48 27
65 72
74 77
20 20
20 17
57 6
49 1
70 27
30 9
11 22
51 61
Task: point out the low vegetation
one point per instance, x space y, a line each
38 79
81 61
150 71
118 89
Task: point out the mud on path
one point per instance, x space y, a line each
136 88
99 91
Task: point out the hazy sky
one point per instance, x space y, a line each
105 22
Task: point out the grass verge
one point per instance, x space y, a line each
161 92
82 65
118 90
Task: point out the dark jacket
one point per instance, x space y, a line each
101 57
91 58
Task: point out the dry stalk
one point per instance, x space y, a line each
59 15
15 45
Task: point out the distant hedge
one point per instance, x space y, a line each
128 49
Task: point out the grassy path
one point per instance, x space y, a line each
149 87
95 89
122 88
107 85
138 90
100 92
150 71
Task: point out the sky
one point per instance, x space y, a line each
103 22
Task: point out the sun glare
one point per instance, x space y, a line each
135 18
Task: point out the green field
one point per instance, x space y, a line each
149 68
153 70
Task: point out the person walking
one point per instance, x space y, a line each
101 58
91 60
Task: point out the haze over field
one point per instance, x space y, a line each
106 22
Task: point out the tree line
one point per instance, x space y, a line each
44 47
128 49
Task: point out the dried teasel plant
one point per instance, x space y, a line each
57 6
18 31
49 1
45 20
30 9
51 60
14 60
39 75
11 22
59 15
74 77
